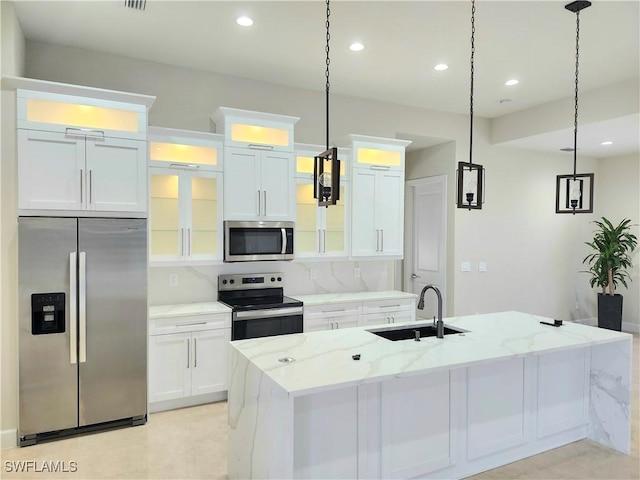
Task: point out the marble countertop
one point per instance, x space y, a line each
329 298
186 309
323 360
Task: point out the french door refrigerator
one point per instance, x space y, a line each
82 325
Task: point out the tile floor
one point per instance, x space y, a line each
191 443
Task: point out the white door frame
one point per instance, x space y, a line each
410 185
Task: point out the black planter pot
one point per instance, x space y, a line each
610 311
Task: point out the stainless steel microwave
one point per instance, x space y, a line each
256 241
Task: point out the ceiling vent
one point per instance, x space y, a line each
136 4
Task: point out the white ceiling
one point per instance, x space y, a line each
533 41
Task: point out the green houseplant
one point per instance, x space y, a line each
609 263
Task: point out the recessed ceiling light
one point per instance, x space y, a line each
244 21
608 142
356 47
511 82
441 66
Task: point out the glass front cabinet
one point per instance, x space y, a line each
320 231
185 181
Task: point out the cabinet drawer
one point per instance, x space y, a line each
379 306
331 310
191 323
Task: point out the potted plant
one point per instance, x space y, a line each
608 265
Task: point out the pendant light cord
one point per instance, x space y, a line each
575 118
327 71
473 51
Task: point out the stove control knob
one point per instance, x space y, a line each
279 279
232 281
273 279
224 282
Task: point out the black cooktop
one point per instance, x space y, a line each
257 303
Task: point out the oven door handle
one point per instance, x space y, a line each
266 313
284 240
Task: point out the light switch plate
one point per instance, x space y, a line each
173 279
313 274
356 272
465 267
482 266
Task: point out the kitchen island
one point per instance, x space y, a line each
301 406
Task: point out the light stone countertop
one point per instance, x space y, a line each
329 298
186 309
323 360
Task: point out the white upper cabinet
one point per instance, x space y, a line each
377 206
320 231
244 128
185 196
81 151
259 165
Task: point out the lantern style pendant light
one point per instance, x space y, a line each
326 166
572 190
470 175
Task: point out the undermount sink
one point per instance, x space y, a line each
409 333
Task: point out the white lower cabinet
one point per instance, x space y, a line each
381 312
354 314
189 361
331 317
415 425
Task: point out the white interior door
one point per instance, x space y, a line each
426 249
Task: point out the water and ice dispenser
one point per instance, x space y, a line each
47 313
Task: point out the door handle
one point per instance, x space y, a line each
259 207
264 192
188 352
381 240
181 242
414 276
319 242
195 352
188 241
81 186
73 312
90 187
324 241
82 287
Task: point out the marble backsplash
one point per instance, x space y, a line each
200 283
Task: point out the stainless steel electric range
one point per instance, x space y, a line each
259 307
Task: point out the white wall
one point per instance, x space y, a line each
12 50
617 196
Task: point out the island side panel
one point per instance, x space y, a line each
610 395
260 422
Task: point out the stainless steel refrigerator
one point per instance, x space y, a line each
82 325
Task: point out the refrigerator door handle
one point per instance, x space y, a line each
73 299
82 292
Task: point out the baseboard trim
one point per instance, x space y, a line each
187 402
627 327
8 438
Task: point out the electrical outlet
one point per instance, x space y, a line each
173 279
482 266
465 267
313 274
356 272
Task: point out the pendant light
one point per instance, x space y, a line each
571 189
470 175
326 166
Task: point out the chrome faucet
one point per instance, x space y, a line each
439 323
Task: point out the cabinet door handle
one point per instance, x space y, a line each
187 166
188 241
265 202
188 352
324 241
181 242
195 353
331 311
331 323
85 132
259 208
381 240
379 167
81 186
90 187
257 146
377 240
319 242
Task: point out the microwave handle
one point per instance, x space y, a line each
284 240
